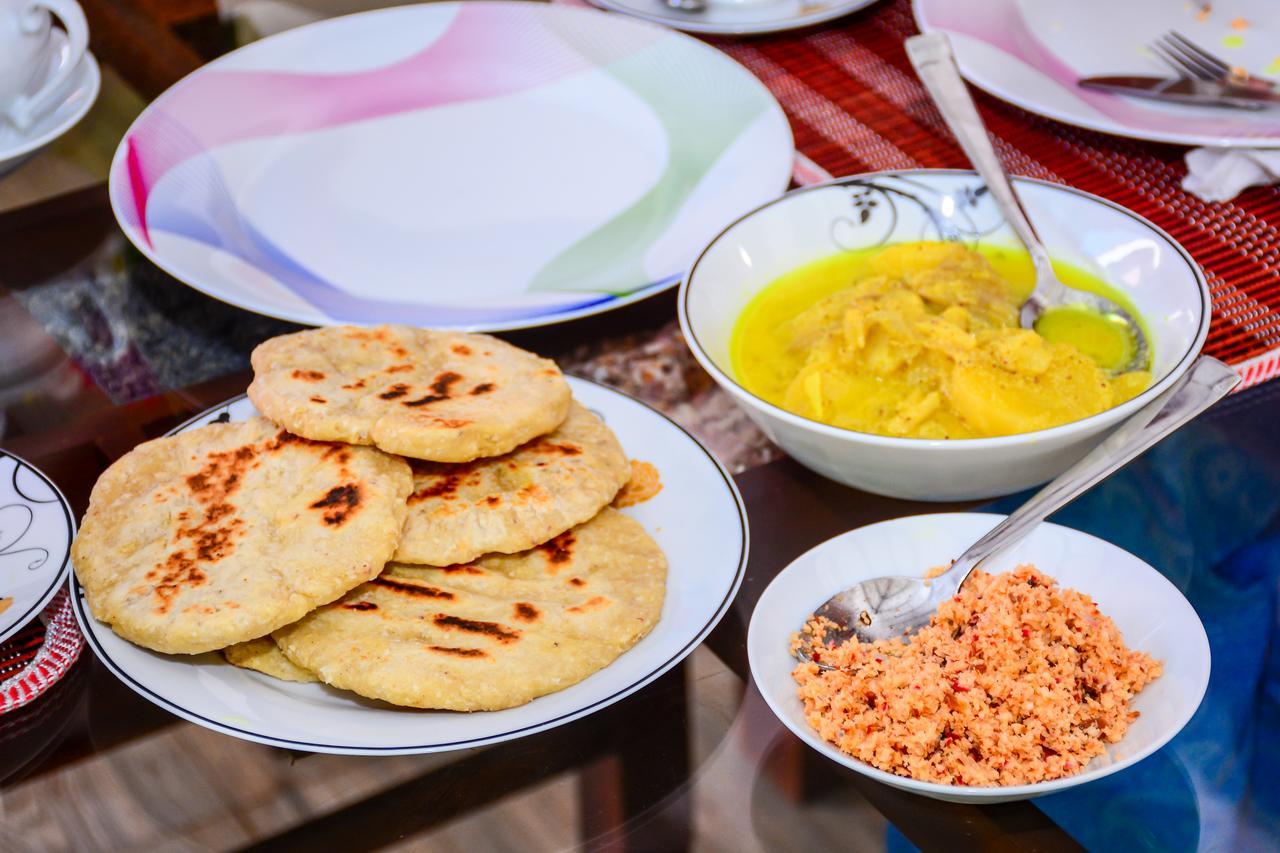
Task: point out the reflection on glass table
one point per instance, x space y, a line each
694 760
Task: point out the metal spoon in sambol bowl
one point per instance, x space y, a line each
898 606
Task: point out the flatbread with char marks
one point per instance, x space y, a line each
510 503
440 396
495 633
264 656
222 534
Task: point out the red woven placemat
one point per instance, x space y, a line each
855 106
38 656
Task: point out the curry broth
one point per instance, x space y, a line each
922 340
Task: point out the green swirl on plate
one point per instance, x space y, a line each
673 78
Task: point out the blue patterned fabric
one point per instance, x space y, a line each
1203 507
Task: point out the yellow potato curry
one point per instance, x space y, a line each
921 340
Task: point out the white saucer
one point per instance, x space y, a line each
738 17
1151 612
81 91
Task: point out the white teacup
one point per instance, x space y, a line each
24 55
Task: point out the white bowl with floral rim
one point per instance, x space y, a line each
1127 251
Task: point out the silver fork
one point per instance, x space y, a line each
1188 59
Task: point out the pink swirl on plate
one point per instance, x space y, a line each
488 50
480 55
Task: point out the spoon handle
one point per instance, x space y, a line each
1208 381
931 56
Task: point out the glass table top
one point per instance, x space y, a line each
99 350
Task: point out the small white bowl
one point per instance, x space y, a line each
1152 614
1114 243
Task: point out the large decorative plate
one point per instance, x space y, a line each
477 165
697 518
1031 54
36 529
739 17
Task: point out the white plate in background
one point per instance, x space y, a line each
739 17
1031 54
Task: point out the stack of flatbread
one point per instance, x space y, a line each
421 517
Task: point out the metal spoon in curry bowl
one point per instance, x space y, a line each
896 606
932 59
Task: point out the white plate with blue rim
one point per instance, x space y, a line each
697 518
36 529
478 166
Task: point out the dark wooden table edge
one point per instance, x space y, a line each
158 413
990 827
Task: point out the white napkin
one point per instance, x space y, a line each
1219 174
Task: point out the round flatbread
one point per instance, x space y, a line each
442 396
510 503
493 634
264 656
222 534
